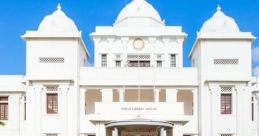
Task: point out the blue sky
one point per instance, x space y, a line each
17 16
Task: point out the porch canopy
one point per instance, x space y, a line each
139 122
139 127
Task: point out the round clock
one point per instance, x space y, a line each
138 44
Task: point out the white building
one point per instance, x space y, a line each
138 86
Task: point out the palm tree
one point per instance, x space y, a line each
2 123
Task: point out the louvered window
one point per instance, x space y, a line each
3 108
52 100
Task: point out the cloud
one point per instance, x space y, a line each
256 55
256 71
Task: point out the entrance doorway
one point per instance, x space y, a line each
139 128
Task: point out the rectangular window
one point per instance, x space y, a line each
252 108
173 60
159 63
51 135
118 63
52 103
226 135
3 108
25 108
226 103
104 60
138 63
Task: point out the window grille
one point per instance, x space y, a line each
226 135
138 57
226 89
159 63
118 56
159 56
104 60
173 60
138 63
51 135
3 108
52 88
51 60
226 61
118 63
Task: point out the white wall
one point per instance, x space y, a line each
37 48
164 41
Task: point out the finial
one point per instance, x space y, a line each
218 8
59 6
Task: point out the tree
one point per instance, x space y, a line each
2 123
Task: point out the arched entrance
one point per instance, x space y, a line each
139 127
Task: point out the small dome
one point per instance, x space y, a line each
57 22
220 23
138 8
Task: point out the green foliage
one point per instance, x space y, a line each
2 123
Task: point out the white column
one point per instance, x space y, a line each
156 95
162 132
257 112
107 95
63 98
122 95
214 109
171 95
195 102
243 111
30 97
14 113
101 129
82 100
38 110
115 132
178 130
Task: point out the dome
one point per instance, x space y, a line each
138 8
220 23
57 22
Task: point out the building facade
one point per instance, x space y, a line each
138 85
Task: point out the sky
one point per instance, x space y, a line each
18 16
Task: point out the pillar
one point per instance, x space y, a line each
214 108
107 95
122 95
156 95
195 102
257 112
82 100
14 113
30 97
162 132
115 132
38 109
178 130
171 95
63 98
243 111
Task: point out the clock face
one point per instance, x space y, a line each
138 44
